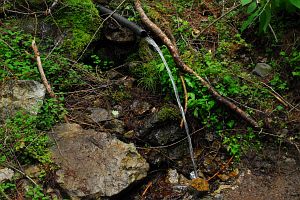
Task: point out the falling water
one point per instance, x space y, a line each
153 43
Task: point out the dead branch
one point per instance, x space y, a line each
176 56
42 73
41 70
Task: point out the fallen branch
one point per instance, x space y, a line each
176 56
42 73
41 70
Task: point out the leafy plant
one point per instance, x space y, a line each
265 9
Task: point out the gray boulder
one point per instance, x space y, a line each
94 164
20 95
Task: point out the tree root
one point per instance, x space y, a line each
176 56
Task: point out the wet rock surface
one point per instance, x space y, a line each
20 95
94 164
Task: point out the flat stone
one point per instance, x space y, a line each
94 164
99 115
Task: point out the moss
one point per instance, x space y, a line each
168 113
80 19
120 96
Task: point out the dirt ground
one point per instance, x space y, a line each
274 175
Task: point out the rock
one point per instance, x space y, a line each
99 115
94 164
166 134
161 127
118 34
200 184
115 125
33 171
22 94
173 176
6 174
140 107
262 69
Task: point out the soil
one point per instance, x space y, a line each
274 174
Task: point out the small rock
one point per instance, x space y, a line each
173 176
116 33
33 171
115 125
262 69
200 184
140 107
6 174
223 177
129 134
99 114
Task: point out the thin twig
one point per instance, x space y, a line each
221 169
147 188
216 20
273 32
185 98
23 173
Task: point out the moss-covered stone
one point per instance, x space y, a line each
168 113
80 19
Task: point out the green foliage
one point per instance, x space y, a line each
292 61
239 143
23 140
15 62
36 193
6 188
265 9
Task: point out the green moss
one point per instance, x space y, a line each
119 96
168 113
80 19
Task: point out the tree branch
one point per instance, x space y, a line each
176 56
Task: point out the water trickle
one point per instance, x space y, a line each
156 47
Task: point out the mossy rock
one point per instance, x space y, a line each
168 113
81 19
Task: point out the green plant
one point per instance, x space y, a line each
264 9
36 193
238 143
6 188
292 61
23 141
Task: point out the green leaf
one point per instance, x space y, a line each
249 21
251 7
245 2
264 19
295 3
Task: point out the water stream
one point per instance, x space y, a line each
156 47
